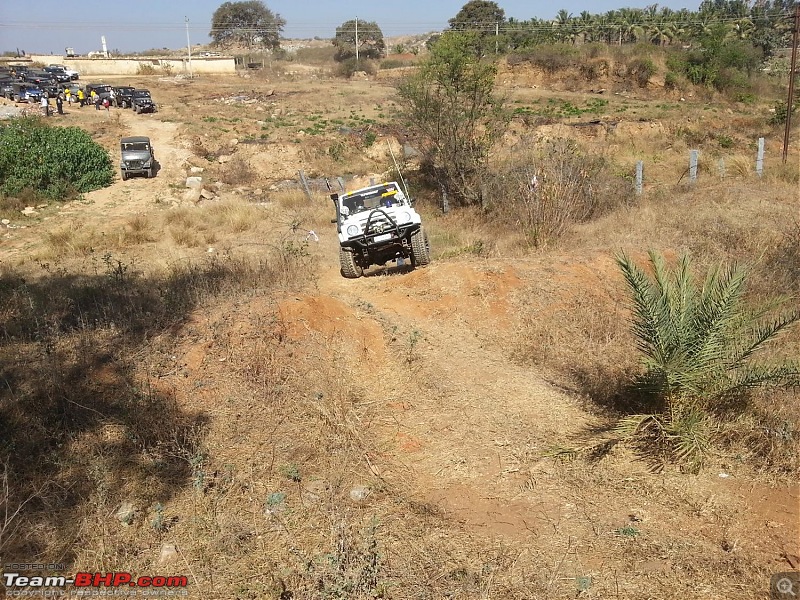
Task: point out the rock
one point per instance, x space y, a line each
220 186
270 93
196 169
126 513
258 192
234 142
359 493
194 182
45 205
223 159
29 211
207 194
409 151
5 222
192 195
210 250
169 554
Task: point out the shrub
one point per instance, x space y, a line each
393 63
348 67
594 69
698 346
671 81
50 162
641 70
572 187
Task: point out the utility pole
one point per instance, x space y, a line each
189 48
496 36
356 43
792 69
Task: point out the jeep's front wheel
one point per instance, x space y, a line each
347 261
420 248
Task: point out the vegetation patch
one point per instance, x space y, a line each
53 163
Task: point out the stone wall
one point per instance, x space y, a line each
133 66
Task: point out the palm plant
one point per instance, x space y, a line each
699 348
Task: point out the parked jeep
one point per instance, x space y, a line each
137 157
123 96
142 102
377 224
25 92
102 89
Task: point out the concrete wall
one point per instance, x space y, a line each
131 66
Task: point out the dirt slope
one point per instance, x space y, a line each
457 426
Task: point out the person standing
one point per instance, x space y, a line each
45 103
60 103
68 95
81 98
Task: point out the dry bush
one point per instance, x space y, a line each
594 69
138 230
573 187
232 216
184 216
70 240
238 171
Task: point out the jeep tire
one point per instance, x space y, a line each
420 248
349 268
124 175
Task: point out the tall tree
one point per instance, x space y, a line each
369 40
249 24
479 15
485 18
450 103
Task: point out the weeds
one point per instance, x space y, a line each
545 193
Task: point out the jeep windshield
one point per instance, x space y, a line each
141 94
102 89
369 199
135 147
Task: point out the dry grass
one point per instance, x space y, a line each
238 428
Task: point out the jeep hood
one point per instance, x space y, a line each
129 155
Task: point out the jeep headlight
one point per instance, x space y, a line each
405 217
353 230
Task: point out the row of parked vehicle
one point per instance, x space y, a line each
139 100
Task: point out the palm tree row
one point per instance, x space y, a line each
766 24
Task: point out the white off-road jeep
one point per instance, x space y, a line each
377 224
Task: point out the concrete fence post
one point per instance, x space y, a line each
693 156
639 177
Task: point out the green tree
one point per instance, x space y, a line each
478 15
50 162
249 24
366 34
450 103
699 347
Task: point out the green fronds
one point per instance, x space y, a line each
698 348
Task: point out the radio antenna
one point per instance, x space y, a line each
399 172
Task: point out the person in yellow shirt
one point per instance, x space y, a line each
81 98
68 95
